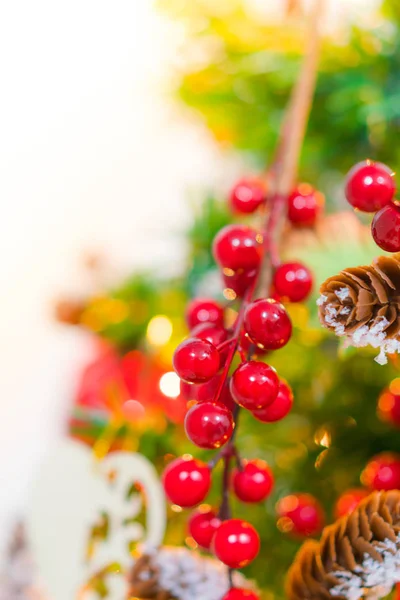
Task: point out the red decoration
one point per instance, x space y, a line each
385 228
349 500
246 345
215 334
305 205
240 594
267 324
389 403
247 196
238 247
254 385
204 310
293 281
236 543
186 481
202 526
254 482
370 186
300 515
209 424
279 408
382 472
239 282
196 360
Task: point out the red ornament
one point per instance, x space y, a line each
389 403
209 424
279 408
385 228
236 543
370 186
196 360
240 594
247 196
254 482
305 205
254 385
300 514
239 282
267 324
293 281
238 247
186 481
382 472
202 526
204 310
348 501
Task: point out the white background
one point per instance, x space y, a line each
92 157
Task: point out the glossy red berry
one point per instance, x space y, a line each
305 205
238 247
240 594
382 472
254 482
279 408
267 324
389 403
247 346
209 424
205 392
204 310
202 526
385 228
238 282
236 543
186 481
300 515
247 196
254 385
370 186
348 501
196 361
293 281
215 334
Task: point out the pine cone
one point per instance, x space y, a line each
357 557
363 304
143 581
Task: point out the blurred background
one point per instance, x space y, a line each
123 127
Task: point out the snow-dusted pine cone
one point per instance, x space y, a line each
179 574
363 304
357 557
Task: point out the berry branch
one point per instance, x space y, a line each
249 261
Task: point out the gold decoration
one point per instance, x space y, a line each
357 557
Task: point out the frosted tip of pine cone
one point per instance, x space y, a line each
362 304
357 557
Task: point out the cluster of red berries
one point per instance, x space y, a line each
370 188
203 361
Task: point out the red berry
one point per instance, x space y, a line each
209 424
254 482
238 247
385 228
196 360
215 334
348 501
279 408
370 186
293 281
186 481
389 403
204 310
202 526
300 515
239 282
247 195
382 472
246 345
240 594
236 543
304 205
267 324
254 385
